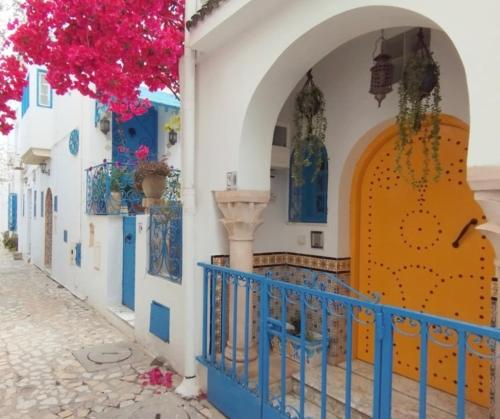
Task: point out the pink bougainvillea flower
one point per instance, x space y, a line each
105 49
142 152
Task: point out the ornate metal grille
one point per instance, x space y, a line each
165 241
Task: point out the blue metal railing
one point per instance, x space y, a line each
111 189
165 241
224 288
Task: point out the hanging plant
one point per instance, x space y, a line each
310 130
419 116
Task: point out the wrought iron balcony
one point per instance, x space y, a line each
111 189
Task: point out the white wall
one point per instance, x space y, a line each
344 78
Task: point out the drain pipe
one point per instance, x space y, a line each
190 385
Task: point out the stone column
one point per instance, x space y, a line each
485 183
241 212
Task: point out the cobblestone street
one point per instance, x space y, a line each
41 323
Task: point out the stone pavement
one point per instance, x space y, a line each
41 323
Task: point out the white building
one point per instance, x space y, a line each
67 222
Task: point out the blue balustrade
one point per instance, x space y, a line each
244 392
165 241
111 189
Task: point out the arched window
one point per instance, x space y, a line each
308 201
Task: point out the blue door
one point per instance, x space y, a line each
128 136
128 285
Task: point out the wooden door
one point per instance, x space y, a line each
402 241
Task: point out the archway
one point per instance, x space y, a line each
48 229
407 246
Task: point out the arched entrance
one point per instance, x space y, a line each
48 229
419 250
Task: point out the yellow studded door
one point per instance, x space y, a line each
405 248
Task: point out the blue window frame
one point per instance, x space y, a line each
78 254
12 212
34 204
308 200
41 204
43 90
55 203
25 101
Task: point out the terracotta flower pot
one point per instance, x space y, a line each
114 202
154 186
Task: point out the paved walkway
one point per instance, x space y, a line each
41 323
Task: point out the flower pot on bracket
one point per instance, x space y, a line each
114 202
153 187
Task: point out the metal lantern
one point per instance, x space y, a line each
172 137
381 82
105 125
382 72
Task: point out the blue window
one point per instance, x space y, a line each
34 204
65 236
308 200
55 203
12 212
25 101
43 90
41 204
159 321
78 254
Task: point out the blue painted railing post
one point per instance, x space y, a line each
205 314
386 366
377 364
264 342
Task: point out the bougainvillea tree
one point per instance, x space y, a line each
105 49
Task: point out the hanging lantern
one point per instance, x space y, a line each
382 73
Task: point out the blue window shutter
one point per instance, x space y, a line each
159 321
308 202
12 212
34 204
25 101
41 204
78 254
43 90
65 236
55 203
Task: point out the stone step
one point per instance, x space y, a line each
311 410
440 405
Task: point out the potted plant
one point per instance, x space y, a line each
115 186
150 176
419 116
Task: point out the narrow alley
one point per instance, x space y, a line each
41 325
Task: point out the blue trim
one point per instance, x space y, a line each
308 202
38 72
78 254
159 321
12 212
160 98
25 101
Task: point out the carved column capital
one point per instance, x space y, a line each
242 212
